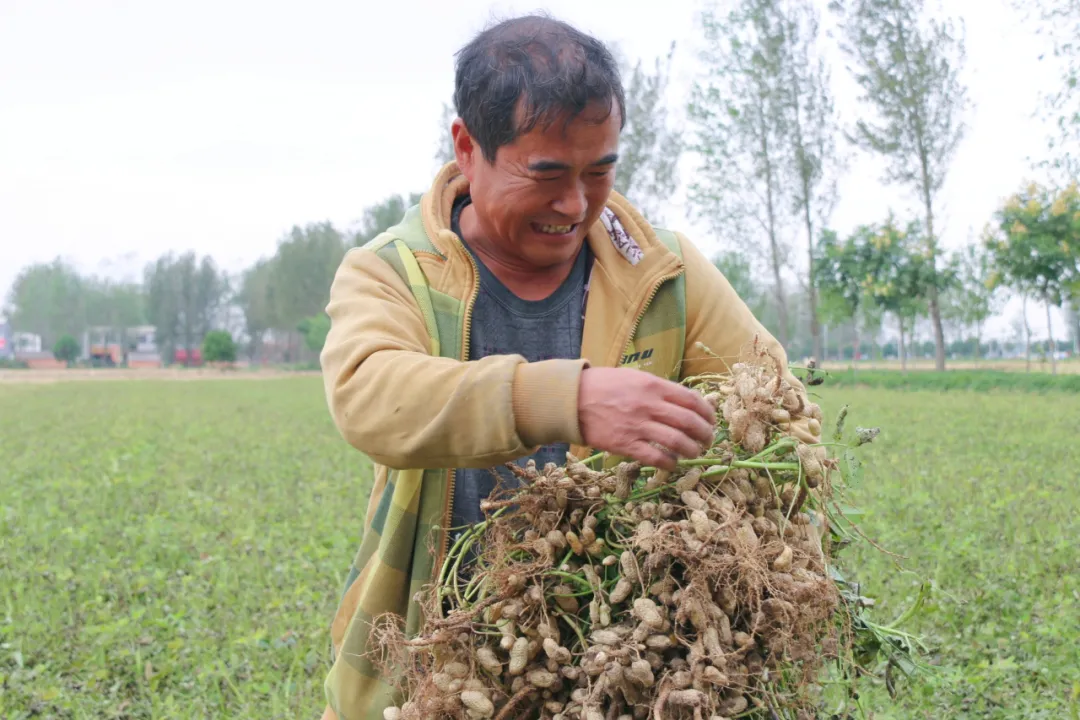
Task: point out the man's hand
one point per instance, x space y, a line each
630 412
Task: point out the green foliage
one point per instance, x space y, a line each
839 272
183 297
114 304
256 300
1035 245
315 329
303 270
48 299
66 349
218 346
976 297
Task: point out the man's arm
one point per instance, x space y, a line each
405 408
720 320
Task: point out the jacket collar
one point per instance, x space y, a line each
628 254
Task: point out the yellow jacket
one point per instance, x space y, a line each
417 414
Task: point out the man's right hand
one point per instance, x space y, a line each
630 412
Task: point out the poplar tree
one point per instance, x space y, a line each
908 67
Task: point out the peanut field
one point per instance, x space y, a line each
176 549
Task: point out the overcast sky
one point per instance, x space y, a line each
129 128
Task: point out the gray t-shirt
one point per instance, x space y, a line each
504 324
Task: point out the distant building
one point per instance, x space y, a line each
142 349
27 343
108 347
29 349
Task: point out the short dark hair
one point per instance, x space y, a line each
538 66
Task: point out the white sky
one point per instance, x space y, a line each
129 128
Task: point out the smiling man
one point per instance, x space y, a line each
522 311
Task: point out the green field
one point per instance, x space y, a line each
176 549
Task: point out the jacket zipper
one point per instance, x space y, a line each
641 313
451 474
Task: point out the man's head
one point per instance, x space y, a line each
540 106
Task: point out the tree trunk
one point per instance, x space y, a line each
855 347
1076 329
935 306
1050 340
815 327
978 343
903 348
774 246
1027 334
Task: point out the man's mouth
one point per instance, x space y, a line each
554 229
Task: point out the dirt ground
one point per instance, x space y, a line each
82 374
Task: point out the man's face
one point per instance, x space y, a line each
536 202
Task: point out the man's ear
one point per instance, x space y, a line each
466 151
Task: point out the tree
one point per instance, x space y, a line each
1032 246
303 271
878 269
382 215
48 299
218 346
812 129
256 301
739 273
908 68
977 298
315 329
839 271
183 297
649 148
742 128
66 349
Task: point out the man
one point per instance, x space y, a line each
522 310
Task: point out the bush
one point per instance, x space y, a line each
12 364
218 346
315 329
66 349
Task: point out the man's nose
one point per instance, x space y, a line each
571 202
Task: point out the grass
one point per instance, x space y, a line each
171 549
976 380
176 549
979 493
1039 363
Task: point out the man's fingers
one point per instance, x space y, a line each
677 442
651 456
690 400
685 421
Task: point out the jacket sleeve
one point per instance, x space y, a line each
404 408
719 319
